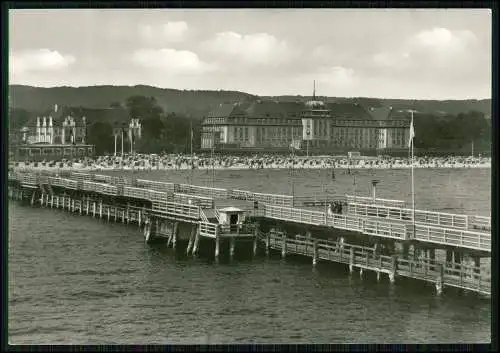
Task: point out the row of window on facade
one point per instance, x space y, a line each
56 151
324 120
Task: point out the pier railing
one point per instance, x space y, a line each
203 202
156 185
449 220
462 275
201 191
100 188
370 226
64 183
178 210
312 201
459 237
377 201
273 199
480 222
208 229
144 194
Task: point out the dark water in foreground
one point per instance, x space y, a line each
74 279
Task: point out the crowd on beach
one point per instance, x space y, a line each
261 161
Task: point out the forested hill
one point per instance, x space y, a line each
453 107
194 103
197 103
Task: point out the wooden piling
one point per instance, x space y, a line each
217 246
232 244
192 235
283 245
393 273
315 252
174 235
351 260
196 241
439 281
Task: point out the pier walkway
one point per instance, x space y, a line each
153 205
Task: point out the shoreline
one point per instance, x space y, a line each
240 168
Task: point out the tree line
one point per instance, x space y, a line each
171 132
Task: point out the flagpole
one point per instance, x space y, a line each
412 136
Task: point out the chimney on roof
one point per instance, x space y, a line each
50 121
37 121
55 108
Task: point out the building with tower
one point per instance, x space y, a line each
59 134
310 126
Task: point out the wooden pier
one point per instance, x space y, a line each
363 235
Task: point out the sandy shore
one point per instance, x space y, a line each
82 168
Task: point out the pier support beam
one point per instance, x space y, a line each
394 271
283 246
232 245
109 212
351 260
94 208
439 281
33 198
191 239
174 235
217 247
449 257
52 201
378 276
477 264
457 258
147 232
315 252
406 250
128 214
196 241
87 206
73 205
268 243
100 209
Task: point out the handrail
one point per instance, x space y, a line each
384 202
428 217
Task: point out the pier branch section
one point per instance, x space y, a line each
363 233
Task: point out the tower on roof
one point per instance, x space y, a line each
314 90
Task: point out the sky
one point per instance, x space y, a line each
384 53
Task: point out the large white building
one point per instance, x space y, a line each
314 125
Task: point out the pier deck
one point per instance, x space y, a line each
152 203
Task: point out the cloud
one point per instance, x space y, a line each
38 60
171 61
428 50
252 49
171 32
337 75
443 40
